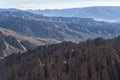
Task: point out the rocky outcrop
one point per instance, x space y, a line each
12 42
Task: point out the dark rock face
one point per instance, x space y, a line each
2 42
10 44
97 59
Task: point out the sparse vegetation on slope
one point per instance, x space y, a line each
96 59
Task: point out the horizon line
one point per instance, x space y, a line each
57 8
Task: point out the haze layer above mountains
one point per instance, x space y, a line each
106 13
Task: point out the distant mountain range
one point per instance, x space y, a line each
59 28
106 13
96 59
48 30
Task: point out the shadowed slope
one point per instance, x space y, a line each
96 59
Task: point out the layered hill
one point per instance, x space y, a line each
12 42
30 30
60 28
96 59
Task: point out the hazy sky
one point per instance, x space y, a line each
55 4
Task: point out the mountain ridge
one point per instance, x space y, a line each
97 12
96 59
42 29
74 29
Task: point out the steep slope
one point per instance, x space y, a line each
108 13
12 42
96 59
